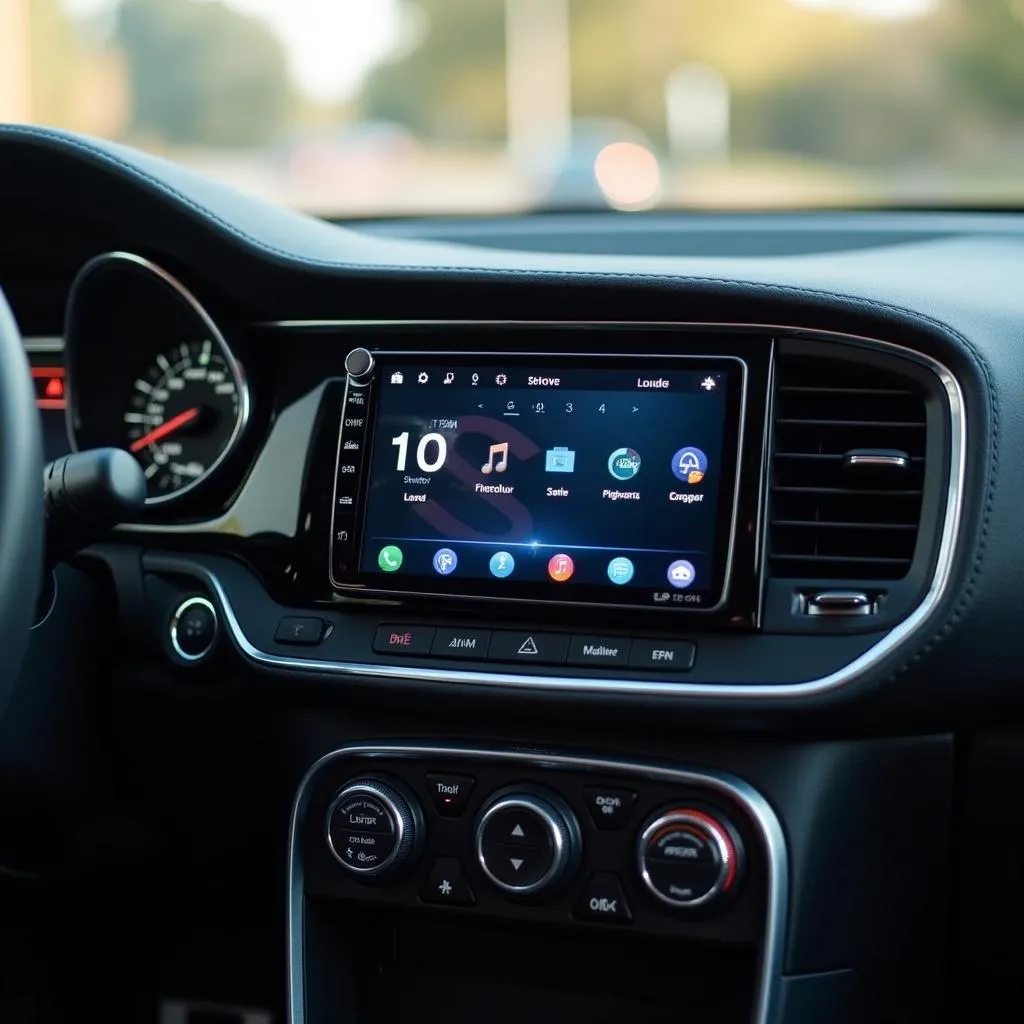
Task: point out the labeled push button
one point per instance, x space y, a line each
609 808
603 900
536 648
663 655
450 793
447 885
403 639
461 643
599 651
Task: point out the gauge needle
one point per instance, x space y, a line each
168 427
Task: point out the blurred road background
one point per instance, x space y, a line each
355 108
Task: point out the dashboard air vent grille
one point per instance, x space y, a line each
847 470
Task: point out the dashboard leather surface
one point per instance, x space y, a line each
956 297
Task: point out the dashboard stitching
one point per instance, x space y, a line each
59 140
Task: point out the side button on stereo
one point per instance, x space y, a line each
403 639
603 900
447 884
449 793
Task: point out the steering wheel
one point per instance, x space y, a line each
21 502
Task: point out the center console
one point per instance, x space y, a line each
668 877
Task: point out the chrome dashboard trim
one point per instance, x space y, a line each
44 345
232 363
854 670
760 812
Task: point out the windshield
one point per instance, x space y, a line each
351 108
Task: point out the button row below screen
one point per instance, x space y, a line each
536 647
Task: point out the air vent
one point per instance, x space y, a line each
847 470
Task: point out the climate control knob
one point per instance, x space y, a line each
527 842
689 858
374 827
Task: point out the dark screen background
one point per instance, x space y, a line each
531 525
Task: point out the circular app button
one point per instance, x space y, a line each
620 570
690 465
390 558
681 573
560 568
624 463
445 561
502 564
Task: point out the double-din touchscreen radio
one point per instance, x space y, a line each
594 480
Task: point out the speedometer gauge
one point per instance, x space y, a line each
183 414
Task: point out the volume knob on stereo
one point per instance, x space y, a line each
527 841
374 827
689 858
359 365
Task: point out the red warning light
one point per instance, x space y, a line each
49 382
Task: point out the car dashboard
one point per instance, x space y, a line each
573 616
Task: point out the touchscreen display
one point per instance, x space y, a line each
609 481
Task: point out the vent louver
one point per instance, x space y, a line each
836 514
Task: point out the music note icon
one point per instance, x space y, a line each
502 464
561 568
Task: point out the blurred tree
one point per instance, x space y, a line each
985 49
203 73
452 86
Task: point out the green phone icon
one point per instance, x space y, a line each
390 558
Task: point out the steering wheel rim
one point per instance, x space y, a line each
21 502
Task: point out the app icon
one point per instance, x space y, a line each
449 377
559 460
620 570
390 558
423 377
560 568
445 561
499 450
397 377
681 574
624 463
502 564
690 465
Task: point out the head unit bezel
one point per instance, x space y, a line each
735 599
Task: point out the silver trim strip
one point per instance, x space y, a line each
241 386
44 345
762 818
